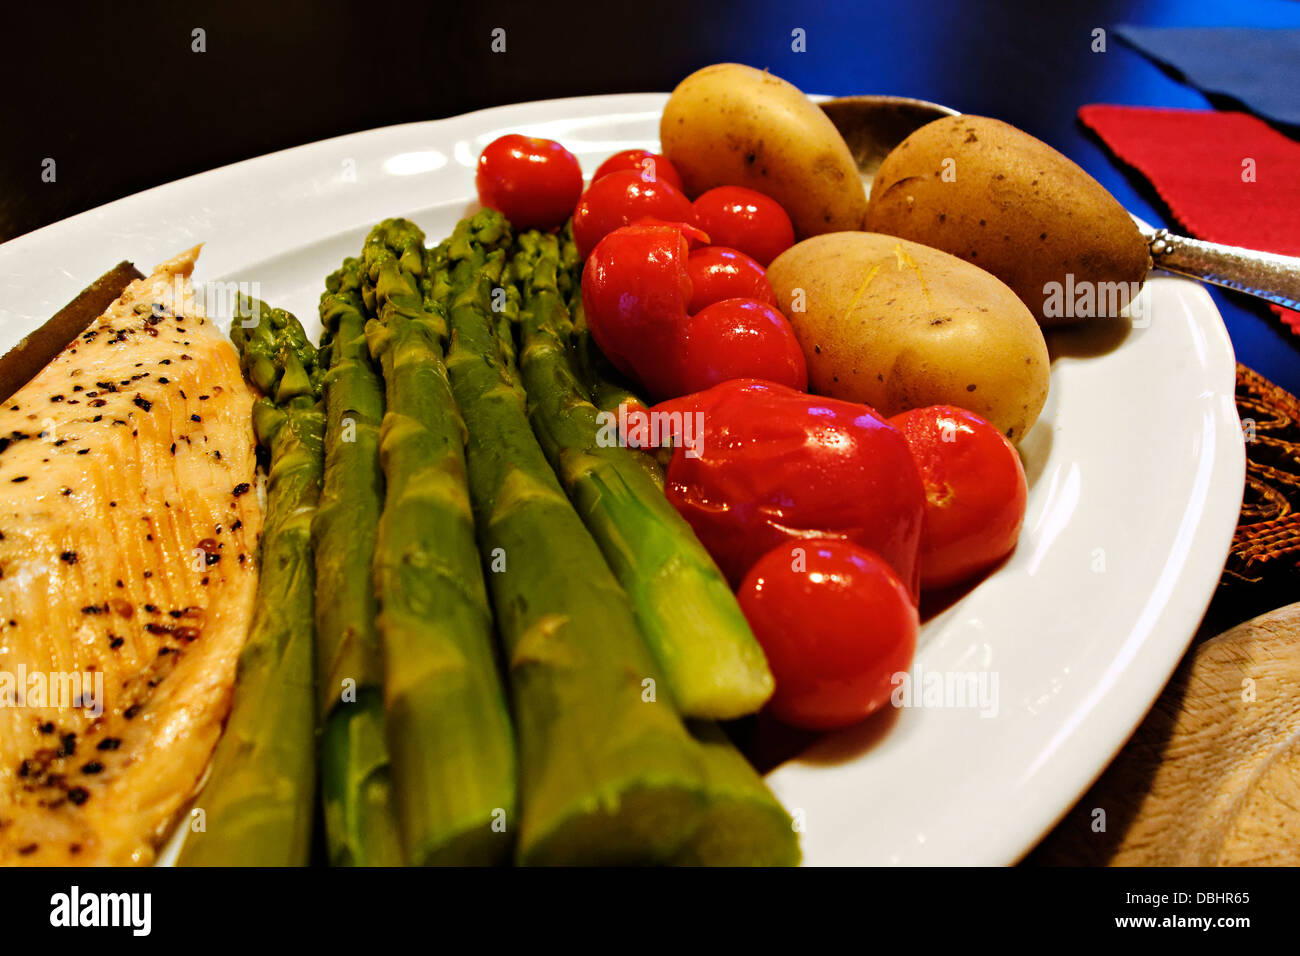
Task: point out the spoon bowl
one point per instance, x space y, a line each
873 125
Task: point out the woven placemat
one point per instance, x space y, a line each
1266 546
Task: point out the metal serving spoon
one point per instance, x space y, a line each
874 125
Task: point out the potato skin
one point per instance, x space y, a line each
897 325
1016 208
732 125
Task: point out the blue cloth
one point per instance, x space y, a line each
1259 68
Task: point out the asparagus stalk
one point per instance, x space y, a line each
745 824
259 797
448 727
610 392
686 610
356 786
609 773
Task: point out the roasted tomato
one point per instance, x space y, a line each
836 624
975 492
634 292
621 199
775 466
746 220
532 182
719 273
740 338
650 165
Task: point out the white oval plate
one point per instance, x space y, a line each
1136 470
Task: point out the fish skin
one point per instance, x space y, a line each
76 800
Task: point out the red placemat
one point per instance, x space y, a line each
1227 177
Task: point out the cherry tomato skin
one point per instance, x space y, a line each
532 182
634 292
744 219
975 492
776 466
696 238
836 625
650 165
740 338
620 199
719 273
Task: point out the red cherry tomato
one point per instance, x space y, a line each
775 465
719 273
634 292
836 625
740 338
746 220
532 182
650 165
696 238
620 199
975 492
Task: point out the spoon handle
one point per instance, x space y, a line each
1263 274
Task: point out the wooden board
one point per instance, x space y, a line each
1212 776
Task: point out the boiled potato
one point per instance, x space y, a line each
898 325
1012 205
732 125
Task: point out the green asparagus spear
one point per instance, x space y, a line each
687 612
356 786
609 773
609 390
745 824
258 801
448 726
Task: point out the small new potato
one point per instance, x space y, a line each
732 125
897 325
996 197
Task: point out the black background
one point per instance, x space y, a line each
343 910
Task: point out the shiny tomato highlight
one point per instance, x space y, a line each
975 492
532 182
836 624
744 219
634 293
740 338
719 273
620 199
651 166
775 466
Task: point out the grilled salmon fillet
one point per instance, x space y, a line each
129 523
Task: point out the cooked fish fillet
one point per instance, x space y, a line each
129 525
